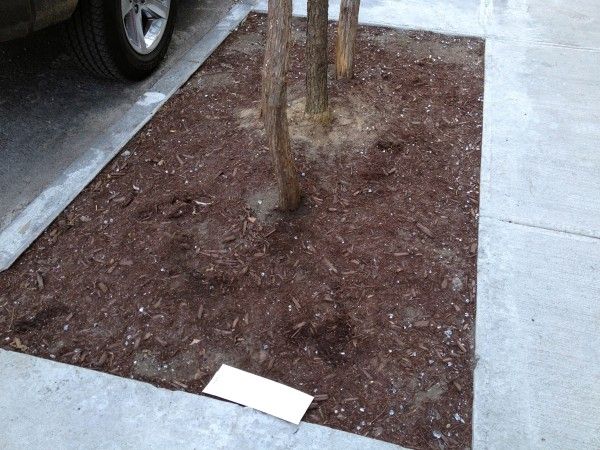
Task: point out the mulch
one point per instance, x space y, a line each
175 259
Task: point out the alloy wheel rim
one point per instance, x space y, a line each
145 22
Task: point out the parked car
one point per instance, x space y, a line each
123 39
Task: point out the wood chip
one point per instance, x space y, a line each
421 323
330 265
296 303
102 359
200 312
297 328
40 281
424 229
103 287
223 332
299 325
321 397
367 374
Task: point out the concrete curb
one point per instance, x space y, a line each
39 214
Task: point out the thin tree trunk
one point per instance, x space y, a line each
316 58
275 101
346 39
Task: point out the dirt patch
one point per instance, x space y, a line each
174 260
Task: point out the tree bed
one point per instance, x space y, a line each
175 259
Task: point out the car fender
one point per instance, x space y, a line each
50 12
18 18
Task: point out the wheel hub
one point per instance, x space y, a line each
144 22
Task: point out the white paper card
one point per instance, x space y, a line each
259 393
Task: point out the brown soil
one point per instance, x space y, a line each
174 259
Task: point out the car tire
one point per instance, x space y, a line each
111 41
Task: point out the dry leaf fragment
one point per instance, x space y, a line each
16 343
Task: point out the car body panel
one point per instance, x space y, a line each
18 18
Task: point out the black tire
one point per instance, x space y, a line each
96 37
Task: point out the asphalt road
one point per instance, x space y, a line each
51 111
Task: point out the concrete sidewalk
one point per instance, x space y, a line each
537 380
48 405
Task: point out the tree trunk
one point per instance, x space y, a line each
275 101
316 58
347 29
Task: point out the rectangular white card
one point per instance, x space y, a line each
259 393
